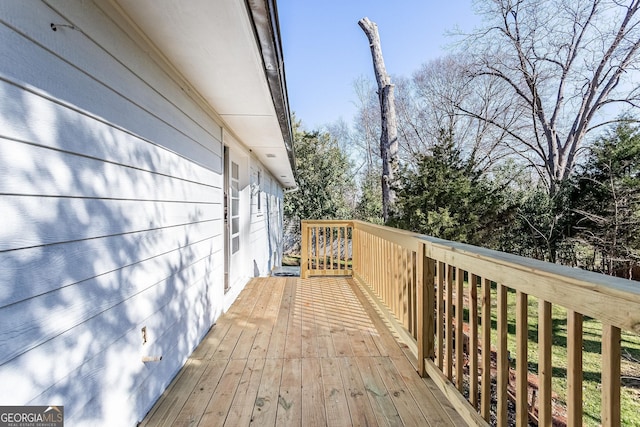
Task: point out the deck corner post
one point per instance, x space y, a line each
304 250
425 302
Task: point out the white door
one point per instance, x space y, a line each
231 217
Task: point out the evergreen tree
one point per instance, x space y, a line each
369 206
608 201
448 197
323 178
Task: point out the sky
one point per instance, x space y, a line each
325 51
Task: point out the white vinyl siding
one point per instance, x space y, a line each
111 201
266 223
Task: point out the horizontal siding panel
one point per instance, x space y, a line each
69 175
155 377
35 221
79 353
43 122
67 83
137 57
32 322
30 272
75 47
112 209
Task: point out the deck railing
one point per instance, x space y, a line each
444 297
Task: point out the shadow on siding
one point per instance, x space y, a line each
102 237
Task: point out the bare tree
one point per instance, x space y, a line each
567 63
439 87
389 134
367 123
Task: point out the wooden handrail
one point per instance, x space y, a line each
428 286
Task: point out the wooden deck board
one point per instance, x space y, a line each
279 335
359 405
266 404
402 398
313 413
247 393
199 395
296 351
265 328
325 338
335 401
382 404
176 395
290 395
220 403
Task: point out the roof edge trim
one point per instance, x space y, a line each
264 16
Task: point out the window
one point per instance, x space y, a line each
258 187
235 208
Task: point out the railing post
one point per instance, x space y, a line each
610 376
355 249
425 303
304 250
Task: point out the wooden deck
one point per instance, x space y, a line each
304 352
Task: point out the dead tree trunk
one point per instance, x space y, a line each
389 135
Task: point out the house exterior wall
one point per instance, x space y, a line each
266 221
111 198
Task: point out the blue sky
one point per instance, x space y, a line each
325 50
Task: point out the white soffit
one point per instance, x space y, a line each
213 45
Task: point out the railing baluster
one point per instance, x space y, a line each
485 409
325 245
397 289
522 372
459 328
395 264
390 279
304 250
345 256
503 357
401 285
336 250
355 239
395 281
317 254
449 322
340 250
545 368
385 271
610 376
414 284
404 288
325 231
440 315
379 267
473 340
574 368
362 243
348 255
331 249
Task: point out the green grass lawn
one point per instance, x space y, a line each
592 361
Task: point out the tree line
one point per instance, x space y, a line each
524 140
